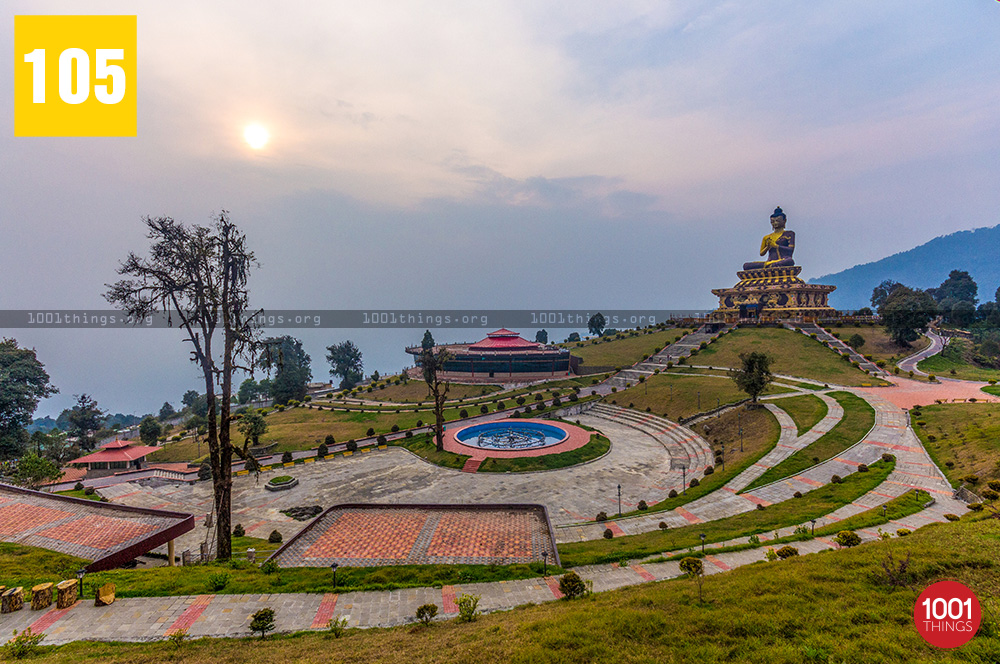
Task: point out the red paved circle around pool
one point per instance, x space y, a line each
577 438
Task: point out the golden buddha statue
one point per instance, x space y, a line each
777 245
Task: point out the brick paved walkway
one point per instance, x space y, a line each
366 536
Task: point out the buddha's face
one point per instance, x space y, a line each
778 223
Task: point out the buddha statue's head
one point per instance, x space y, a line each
778 219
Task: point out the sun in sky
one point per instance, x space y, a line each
256 136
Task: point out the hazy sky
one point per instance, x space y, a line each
498 154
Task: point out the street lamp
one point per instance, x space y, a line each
813 522
79 578
883 511
684 482
699 401
723 456
702 536
334 567
545 561
619 500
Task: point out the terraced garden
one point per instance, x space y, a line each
962 438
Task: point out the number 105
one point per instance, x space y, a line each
106 93
939 608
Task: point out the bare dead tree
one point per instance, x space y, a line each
432 365
199 275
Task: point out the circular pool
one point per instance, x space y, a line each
511 435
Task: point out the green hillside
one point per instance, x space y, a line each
839 611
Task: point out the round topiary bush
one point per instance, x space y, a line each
352 445
787 552
847 538
370 432
836 479
274 537
709 470
608 534
78 486
663 525
238 531
694 483
572 586
952 517
903 532
672 494
862 468
642 506
286 457
797 494
601 517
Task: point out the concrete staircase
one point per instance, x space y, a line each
685 447
672 353
822 335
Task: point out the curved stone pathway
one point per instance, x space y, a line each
910 363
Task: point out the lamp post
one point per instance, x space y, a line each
79 578
545 561
699 401
883 511
813 522
334 567
702 536
619 500
723 456
684 482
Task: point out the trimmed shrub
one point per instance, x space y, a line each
836 479
888 458
468 607
572 586
797 494
274 537
663 525
709 470
952 517
971 479
903 532
760 507
426 613
642 506
352 446
672 494
862 468
394 428
269 567
286 457
370 432
608 534
322 450
218 581
847 538
484 409
601 517
238 531
787 552
78 486
694 483
89 491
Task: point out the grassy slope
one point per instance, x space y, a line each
955 357
415 391
794 354
806 410
677 396
750 615
814 504
622 352
965 434
858 419
879 344
760 435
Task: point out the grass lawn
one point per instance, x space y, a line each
596 447
794 354
879 344
424 447
415 391
964 435
858 419
812 505
760 434
955 361
29 566
73 493
611 352
806 410
823 607
679 396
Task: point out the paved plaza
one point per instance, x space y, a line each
371 535
104 533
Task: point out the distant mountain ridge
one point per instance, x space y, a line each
926 266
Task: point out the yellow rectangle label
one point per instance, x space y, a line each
75 76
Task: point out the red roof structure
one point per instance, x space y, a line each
115 453
504 339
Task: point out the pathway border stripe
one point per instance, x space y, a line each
191 614
325 611
50 618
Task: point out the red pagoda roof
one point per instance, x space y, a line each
116 454
504 339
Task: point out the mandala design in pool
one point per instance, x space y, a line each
511 435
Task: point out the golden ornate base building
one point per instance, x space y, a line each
772 288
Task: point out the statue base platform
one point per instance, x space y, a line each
773 292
